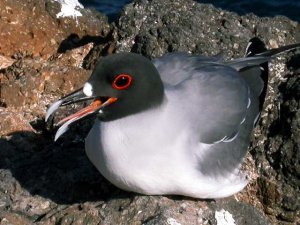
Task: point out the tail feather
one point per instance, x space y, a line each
276 51
255 63
257 54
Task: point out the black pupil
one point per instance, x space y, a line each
121 81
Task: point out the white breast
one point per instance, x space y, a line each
153 152
138 148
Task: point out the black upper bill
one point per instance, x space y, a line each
76 96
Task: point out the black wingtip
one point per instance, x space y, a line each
255 46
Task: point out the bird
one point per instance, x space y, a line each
179 124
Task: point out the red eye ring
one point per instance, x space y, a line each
122 81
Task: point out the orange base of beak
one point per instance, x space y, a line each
95 105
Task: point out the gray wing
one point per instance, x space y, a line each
221 97
230 98
225 103
179 66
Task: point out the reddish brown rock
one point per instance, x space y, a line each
5 62
27 88
8 218
48 52
32 27
12 122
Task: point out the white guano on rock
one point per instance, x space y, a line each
223 217
69 8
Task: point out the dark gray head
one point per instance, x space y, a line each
130 78
121 84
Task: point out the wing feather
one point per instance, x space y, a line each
219 94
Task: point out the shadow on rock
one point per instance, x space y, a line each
74 41
101 47
59 170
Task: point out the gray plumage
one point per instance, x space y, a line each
181 127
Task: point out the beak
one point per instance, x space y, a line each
76 96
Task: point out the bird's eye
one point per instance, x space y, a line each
122 81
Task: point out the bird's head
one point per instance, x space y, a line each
120 85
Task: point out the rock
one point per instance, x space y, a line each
229 211
13 218
279 185
12 122
5 62
42 182
32 84
156 27
32 27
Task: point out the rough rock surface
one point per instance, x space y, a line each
33 27
42 182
